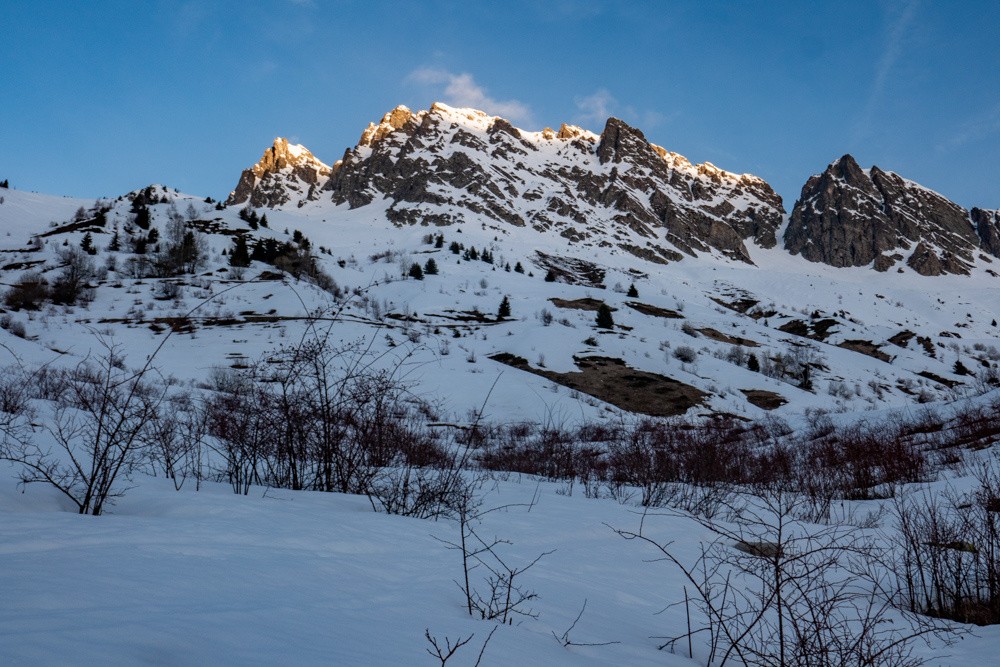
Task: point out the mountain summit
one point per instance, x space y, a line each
613 190
285 173
849 216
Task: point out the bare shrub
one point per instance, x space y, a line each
96 427
685 354
805 596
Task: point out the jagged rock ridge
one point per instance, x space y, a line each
848 216
615 189
285 173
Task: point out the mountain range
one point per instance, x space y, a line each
872 292
618 191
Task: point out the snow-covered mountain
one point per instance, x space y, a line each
614 190
849 216
560 223
468 322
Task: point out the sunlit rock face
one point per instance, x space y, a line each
286 173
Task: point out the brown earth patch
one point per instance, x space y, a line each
586 303
764 399
816 330
940 380
902 339
865 347
709 332
654 311
611 381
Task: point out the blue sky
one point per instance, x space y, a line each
103 97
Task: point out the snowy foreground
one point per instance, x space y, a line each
281 577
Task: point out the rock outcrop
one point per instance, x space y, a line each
286 173
849 216
988 229
445 165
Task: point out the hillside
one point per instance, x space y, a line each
585 356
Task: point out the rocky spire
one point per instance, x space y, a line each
847 216
286 172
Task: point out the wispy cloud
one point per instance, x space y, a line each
594 109
977 128
461 90
891 51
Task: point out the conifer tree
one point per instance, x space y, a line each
240 255
87 244
142 218
518 268
752 363
604 318
431 267
416 272
632 291
504 310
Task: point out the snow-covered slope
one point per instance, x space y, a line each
837 339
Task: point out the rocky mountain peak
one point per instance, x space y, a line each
848 216
285 172
616 189
392 121
446 164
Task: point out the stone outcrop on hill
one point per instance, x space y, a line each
988 228
286 173
849 216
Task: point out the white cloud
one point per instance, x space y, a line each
594 110
461 90
891 53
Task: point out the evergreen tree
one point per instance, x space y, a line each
263 220
116 242
87 244
455 248
805 382
431 267
142 217
550 277
240 255
632 291
416 272
752 363
439 241
154 236
4 184
518 268
504 310
604 318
